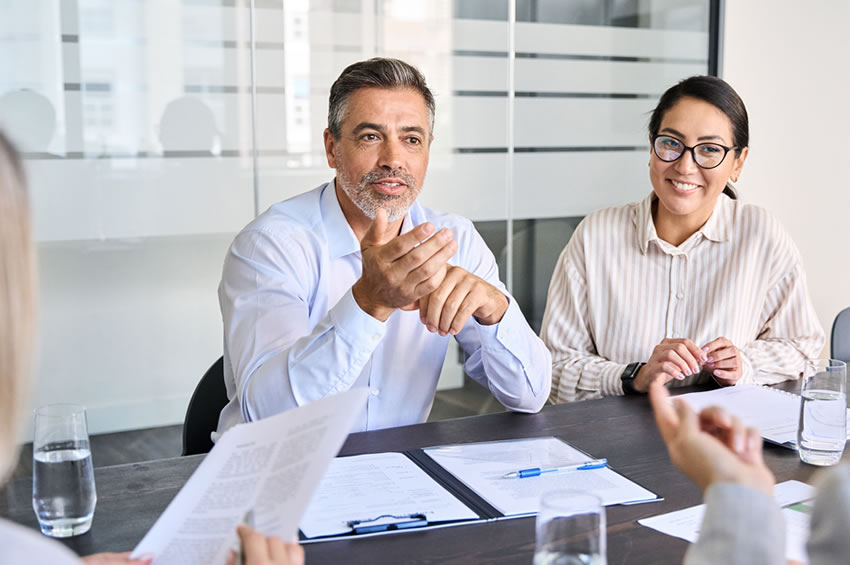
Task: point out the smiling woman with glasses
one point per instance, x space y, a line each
688 285
706 155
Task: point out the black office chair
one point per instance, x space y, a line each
840 340
209 398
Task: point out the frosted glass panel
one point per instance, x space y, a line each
134 120
144 144
319 43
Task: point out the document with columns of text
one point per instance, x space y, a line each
270 468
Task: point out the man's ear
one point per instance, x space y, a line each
330 145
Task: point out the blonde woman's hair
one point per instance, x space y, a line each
17 302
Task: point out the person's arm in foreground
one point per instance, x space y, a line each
742 523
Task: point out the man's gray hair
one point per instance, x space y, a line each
375 73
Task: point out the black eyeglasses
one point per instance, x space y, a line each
706 155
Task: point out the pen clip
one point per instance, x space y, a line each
380 523
602 463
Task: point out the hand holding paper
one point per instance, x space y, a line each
260 550
271 466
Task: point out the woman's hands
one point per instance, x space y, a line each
679 358
671 359
262 550
724 360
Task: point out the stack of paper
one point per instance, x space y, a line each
790 495
774 412
482 467
367 487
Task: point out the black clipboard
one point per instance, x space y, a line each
390 524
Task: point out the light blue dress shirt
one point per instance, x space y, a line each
293 332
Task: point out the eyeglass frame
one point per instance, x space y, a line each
691 149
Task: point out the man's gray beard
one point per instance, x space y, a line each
369 204
369 201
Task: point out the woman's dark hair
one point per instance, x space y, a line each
716 92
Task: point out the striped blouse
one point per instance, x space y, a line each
618 290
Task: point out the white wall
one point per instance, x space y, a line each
788 61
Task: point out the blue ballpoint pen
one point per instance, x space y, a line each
536 471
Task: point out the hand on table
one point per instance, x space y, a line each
459 296
711 447
398 271
262 550
114 559
671 359
724 361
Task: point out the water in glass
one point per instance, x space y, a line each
823 426
63 491
570 529
557 558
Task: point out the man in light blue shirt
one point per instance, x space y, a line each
355 284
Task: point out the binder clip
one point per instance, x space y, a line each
387 522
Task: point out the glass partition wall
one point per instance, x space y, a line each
153 130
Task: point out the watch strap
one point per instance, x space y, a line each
628 378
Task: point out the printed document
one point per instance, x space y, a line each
482 467
271 466
364 487
791 496
774 412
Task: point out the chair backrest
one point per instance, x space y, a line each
840 340
207 401
536 251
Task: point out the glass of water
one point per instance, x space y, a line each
570 529
63 493
823 412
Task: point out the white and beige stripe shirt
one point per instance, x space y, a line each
618 291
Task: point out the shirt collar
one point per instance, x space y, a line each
341 238
718 228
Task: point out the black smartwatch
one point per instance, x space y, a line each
628 378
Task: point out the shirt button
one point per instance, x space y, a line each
375 392
680 295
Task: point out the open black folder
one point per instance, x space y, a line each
450 485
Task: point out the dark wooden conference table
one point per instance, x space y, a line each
131 497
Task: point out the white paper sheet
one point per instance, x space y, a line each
367 486
774 412
271 466
686 523
482 466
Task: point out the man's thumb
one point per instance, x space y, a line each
374 236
